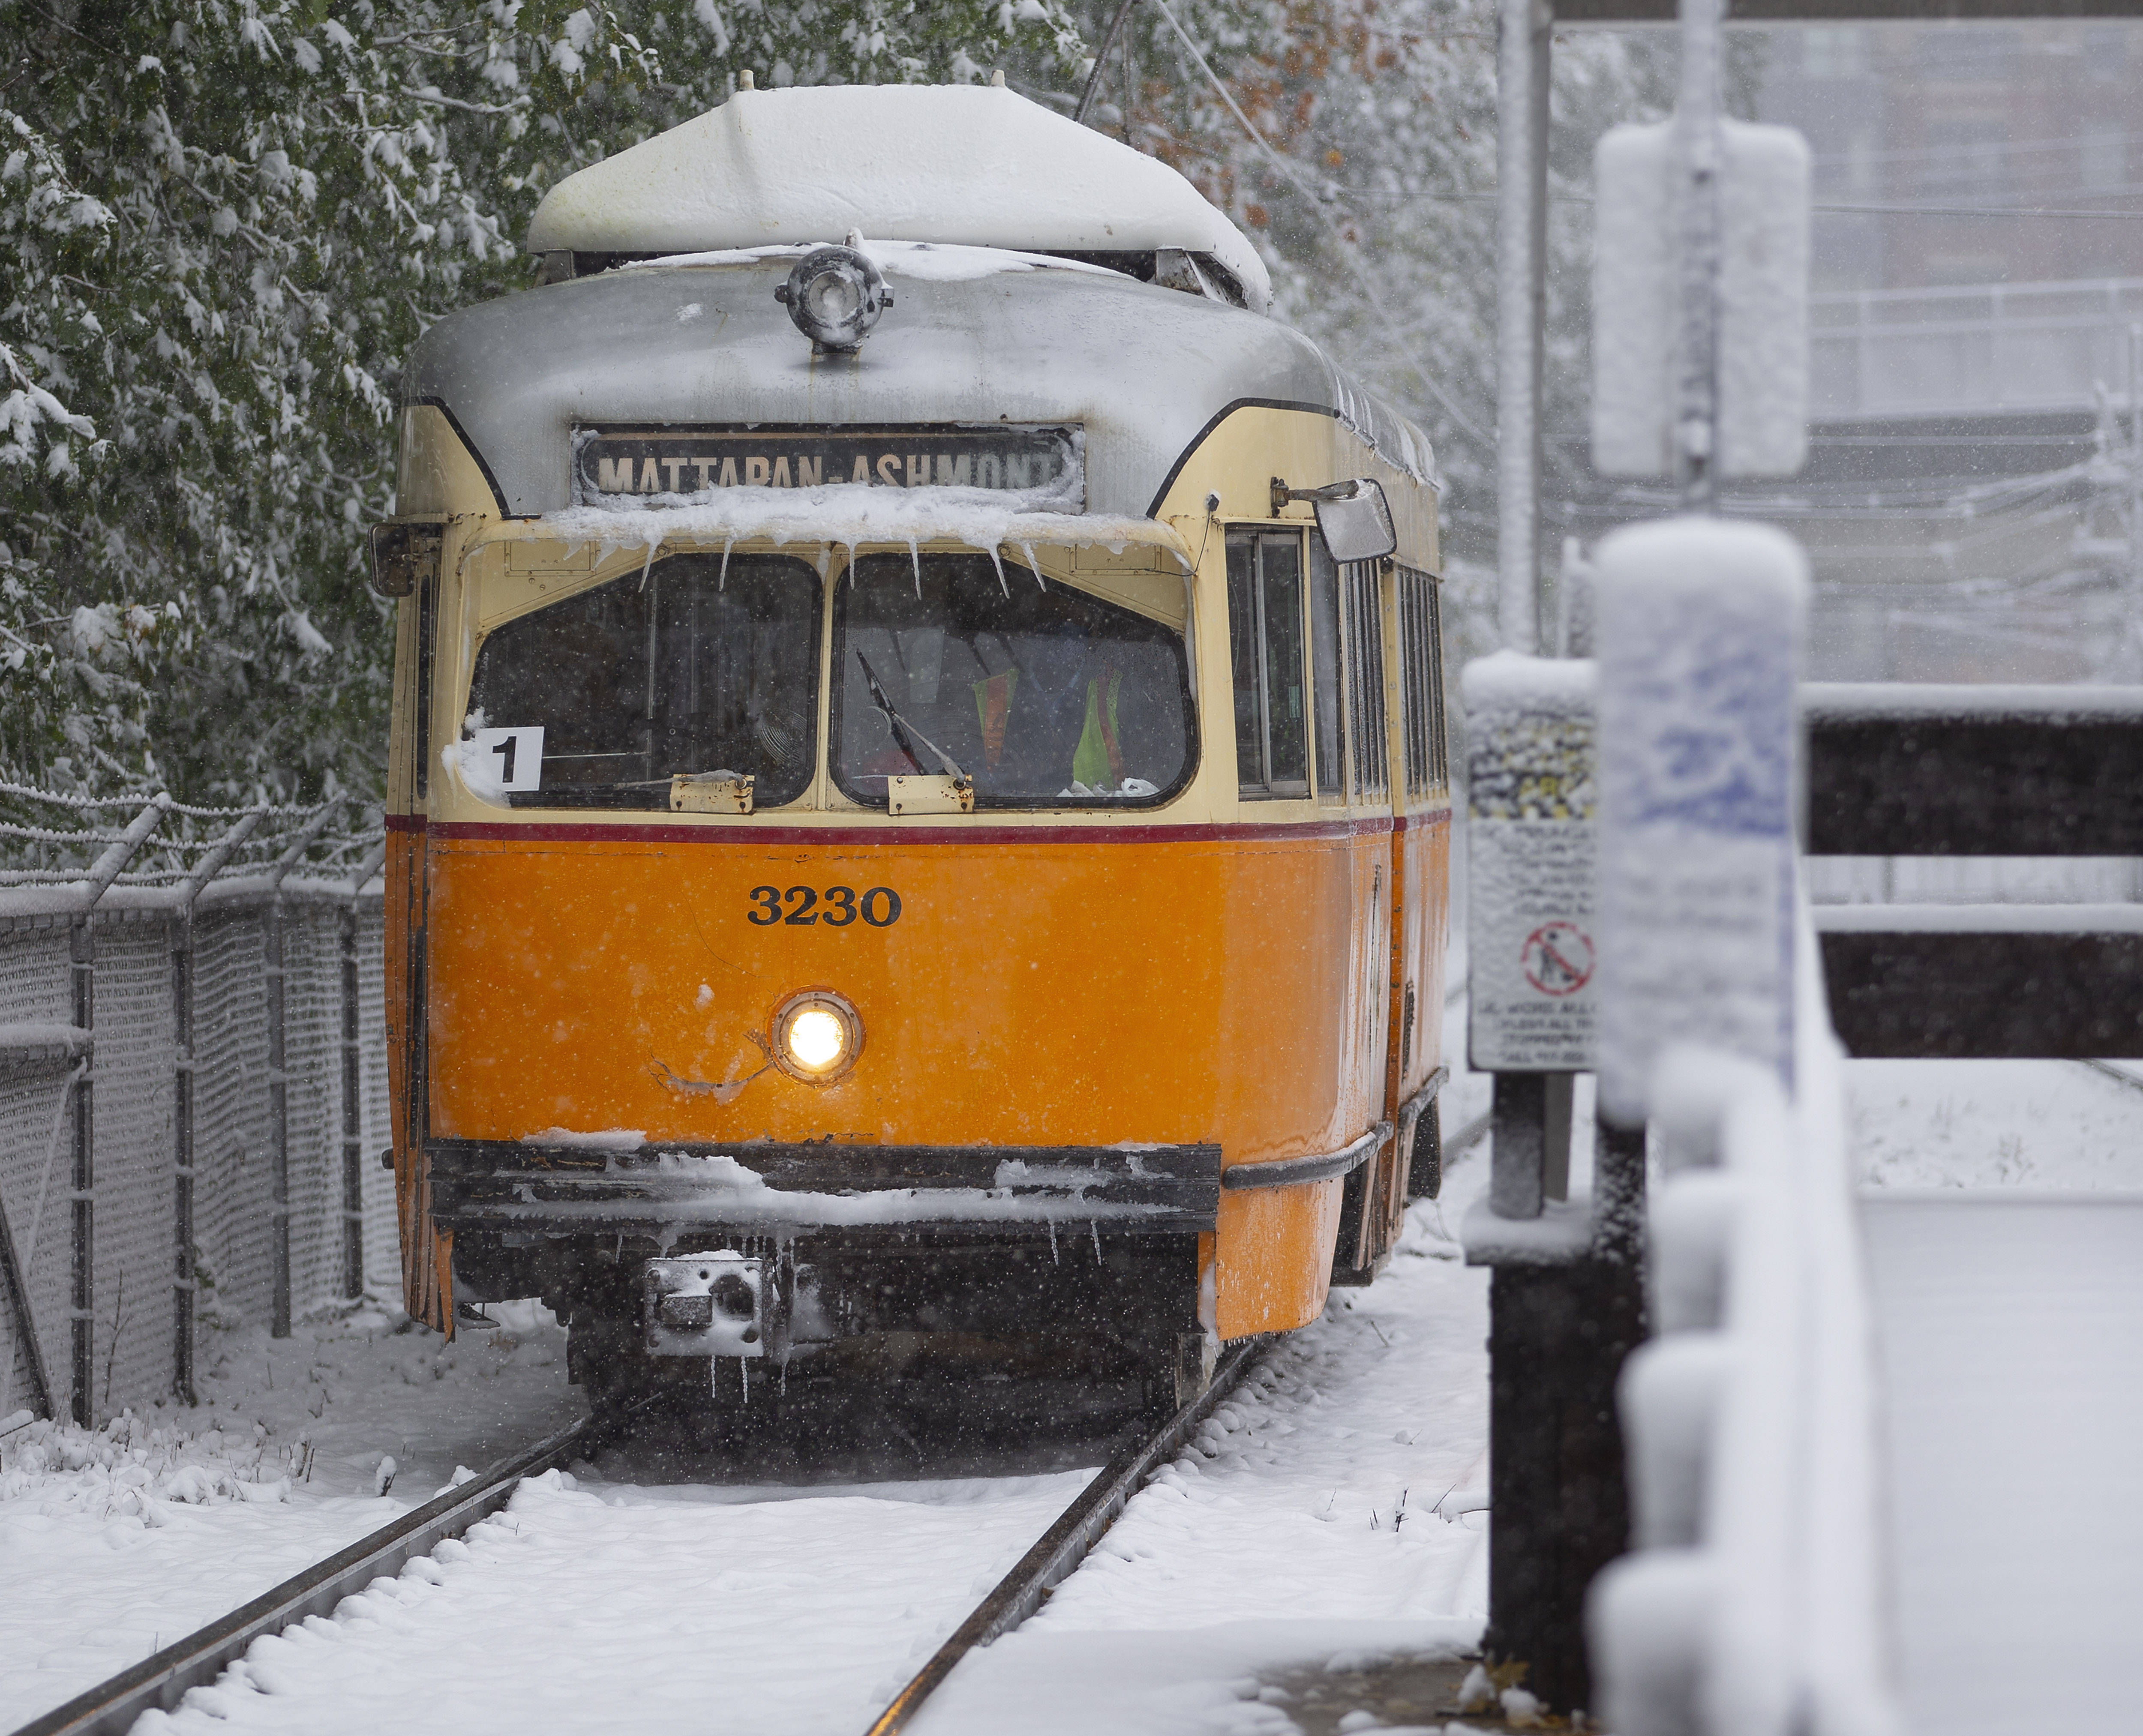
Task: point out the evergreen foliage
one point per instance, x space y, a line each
228 220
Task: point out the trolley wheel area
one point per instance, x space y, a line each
1425 1165
1173 1374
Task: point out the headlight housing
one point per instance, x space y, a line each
834 294
817 1037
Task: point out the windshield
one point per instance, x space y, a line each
1042 695
683 668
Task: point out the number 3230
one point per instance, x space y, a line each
879 906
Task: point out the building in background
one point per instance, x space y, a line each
1978 310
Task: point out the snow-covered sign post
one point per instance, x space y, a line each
1630 834
1700 356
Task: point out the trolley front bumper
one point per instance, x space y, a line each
674 1191
832 1242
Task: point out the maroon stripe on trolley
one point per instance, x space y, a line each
748 837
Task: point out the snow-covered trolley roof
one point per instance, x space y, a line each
976 164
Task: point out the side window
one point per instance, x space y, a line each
427 618
1324 687
1440 755
1421 667
1365 672
1265 637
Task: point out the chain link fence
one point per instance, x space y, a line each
193 1085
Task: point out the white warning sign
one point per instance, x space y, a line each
1531 856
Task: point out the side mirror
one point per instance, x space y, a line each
1356 525
404 551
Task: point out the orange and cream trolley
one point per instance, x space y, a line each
919 805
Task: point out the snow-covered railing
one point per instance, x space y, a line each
62 855
1753 1603
2030 958
192 1069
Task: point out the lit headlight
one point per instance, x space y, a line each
834 294
817 1036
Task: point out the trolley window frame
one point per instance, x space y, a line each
1424 729
1362 615
1327 674
441 674
1249 622
646 794
835 697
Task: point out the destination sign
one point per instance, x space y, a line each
672 466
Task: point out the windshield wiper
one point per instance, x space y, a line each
902 729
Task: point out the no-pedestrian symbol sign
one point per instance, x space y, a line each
1557 959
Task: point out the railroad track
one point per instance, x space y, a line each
161 1681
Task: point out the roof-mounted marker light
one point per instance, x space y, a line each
836 294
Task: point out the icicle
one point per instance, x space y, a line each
826 560
646 565
851 548
722 578
1094 1225
999 565
1055 1257
915 559
744 1368
1033 565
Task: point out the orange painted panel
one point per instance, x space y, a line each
426 1254
1056 991
1274 1257
1424 847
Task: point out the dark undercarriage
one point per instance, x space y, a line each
1052 1260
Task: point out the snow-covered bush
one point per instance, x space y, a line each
226 220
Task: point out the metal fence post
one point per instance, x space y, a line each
81 959
183 1280
1698 151
81 1293
18 1280
278 1114
1565 1295
279 1078
353 1085
1523 38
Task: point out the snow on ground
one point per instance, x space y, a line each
1324 1510
115 1542
1979 1124
1328 1514
1330 1509
603 1607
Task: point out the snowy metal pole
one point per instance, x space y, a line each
1698 149
2134 481
183 1279
1521 89
82 953
272 971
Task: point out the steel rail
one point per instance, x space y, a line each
1062 1548
159 1682
1468 1136
2111 1071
